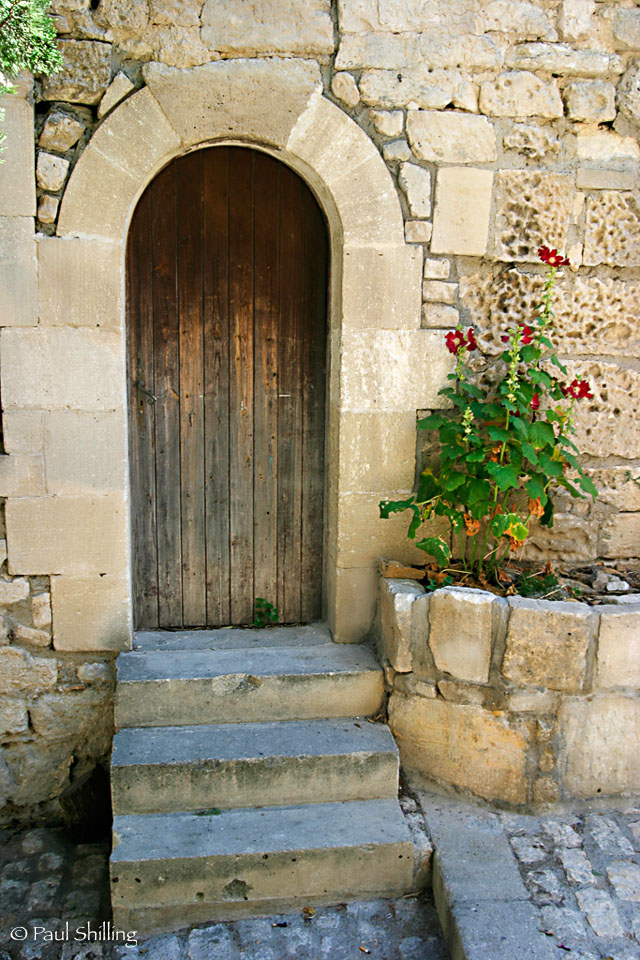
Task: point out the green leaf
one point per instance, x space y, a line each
520 427
427 487
472 390
491 411
478 490
529 353
530 453
499 524
387 507
475 456
518 530
588 485
499 433
551 467
504 476
539 376
546 520
432 422
437 548
453 481
535 487
541 434
556 363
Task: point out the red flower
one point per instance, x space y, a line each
455 340
527 335
535 402
552 257
471 339
505 338
577 389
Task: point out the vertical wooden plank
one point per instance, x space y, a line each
142 417
189 244
265 470
166 390
216 380
290 396
241 200
313 406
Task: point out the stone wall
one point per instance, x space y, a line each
517 701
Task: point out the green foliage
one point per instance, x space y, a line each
534 584
508 450
265 613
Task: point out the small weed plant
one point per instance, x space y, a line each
508 449
265 613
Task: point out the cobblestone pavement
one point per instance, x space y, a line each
582 871
47 883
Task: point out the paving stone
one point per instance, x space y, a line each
529 851
625 879
545 886
576 866
562 833
608 836
601 912
42 895
564 922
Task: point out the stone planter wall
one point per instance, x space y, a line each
513 700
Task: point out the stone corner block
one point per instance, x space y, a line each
396 602
381 288
599 753
463 205
90 613
547 643
80 283
17 272
618 661
461 629
17 170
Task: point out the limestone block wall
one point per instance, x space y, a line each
517 701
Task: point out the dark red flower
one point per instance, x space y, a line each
577 389
455 340
505 338
527 335
535 402
552 257
471 339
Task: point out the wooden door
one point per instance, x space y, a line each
226 306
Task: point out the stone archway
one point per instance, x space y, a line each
382 366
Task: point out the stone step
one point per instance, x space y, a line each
250 684
232 638
170 870
165 769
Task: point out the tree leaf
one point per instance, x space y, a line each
530 453
437 548
588 485
541 434
504 475
453 481
535 487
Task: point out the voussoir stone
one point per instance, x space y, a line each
461 627
451 137
269 26
547 643
85 72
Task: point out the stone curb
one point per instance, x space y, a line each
483 905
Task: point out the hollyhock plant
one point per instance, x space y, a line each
508 452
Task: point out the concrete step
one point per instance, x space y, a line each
232 638
248 684
176 869
165 769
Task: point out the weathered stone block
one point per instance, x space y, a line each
22 431
41 610
17 174
606 146
462 745
421 86
612 232
90 613
563 59
48 208
418 231
354 591
577 19
35 771
520 94
82 717
436 269
396 604
344 87
85 72
13 717
80 283
599 753
440 291
298 27
228 97
118 89
84 452
440 48
531 140
597 179
61 131
439 315
618 663
19 672
463 203
61 369
626 28
462 624
590 100
615 486
51 171
572 538
628 99
388 123
13 591
21 475
620 535
17 272
532 208
31 635
415 181
375 452
524 21
383 51
112 191
446 137
547 643
381 288
67 535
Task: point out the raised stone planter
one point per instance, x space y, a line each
517 701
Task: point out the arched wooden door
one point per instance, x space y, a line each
226 306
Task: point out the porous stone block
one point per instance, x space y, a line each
396 605
375 452
344 87
20 672
612 230
618 663
238 89
67 535
523 21
51 171
520 94
464 50
615 486
602 432
48 368
85 72
61 131
388 123
462 624
20 475
381 288
17 272
564 60
90 613
599 753
461 218
80 283
628 99
13 717
118 89
462 745
17 173
447 137
276 27
415 181
531 140
84 452
572 537
392 370
532 208
590 100
419 86
547 644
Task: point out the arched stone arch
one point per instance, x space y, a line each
382 365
